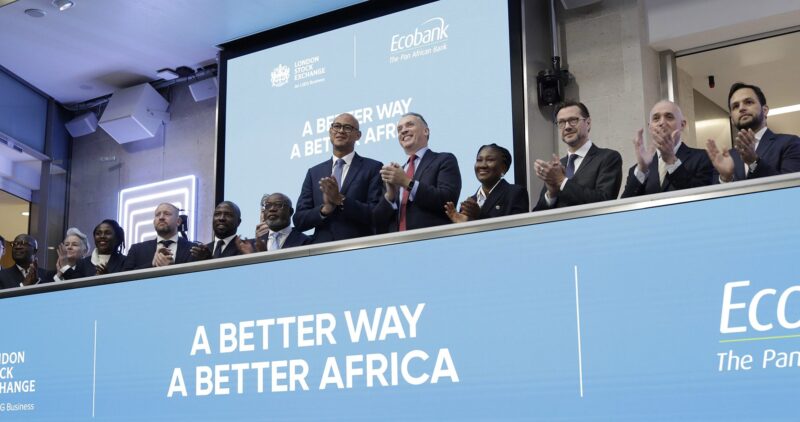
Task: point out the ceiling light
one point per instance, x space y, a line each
783 110
26 213
63 5
35 13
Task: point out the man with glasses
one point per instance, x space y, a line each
667 163
224 223
338 195
587 174
757 151
274 232
25 271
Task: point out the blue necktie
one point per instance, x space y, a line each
275 244
337 172
571 165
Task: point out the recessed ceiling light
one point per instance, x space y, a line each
26 213
62 5
35 13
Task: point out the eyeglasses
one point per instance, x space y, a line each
572 121
338 127
276 205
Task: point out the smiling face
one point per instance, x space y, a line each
166 220
666 117
73 247
23 249
412 133
344 134
104 239
489 167
225 220
746 110
574 135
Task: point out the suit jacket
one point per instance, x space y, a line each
361 189
230 249
778 153
597 179
695 170
141 254
83 268
505 199
295 238
11 277
439 182
114 265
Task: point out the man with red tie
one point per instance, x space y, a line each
416 191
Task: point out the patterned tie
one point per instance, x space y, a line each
337 172
571 165
218 249
662 172
406 192
275 243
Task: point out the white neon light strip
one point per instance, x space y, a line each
783 110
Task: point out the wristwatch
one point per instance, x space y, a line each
410 185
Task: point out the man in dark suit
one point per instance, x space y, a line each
757 151
25 271
224 223
667 164
416 192
587 174
167 249
338 195
275 232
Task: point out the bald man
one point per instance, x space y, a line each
167 249
666 164
339 194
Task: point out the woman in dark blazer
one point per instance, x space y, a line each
107 256
495 197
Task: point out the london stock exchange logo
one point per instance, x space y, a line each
279 75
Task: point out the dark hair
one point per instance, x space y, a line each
505 155
3 239
740 85
233 206
417 115
119 234
573 103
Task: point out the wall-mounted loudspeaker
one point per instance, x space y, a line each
203 90
82 125
134 113
573 4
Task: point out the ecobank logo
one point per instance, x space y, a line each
430 37
279 76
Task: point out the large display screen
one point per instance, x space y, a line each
448 60
679 312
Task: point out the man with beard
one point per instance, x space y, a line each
757 151
587 174
225 222
25 271
667 164
274 232
167 249
338 195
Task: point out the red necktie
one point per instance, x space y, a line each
406 193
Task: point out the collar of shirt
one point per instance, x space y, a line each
674 150
98 259
758 136
284 234
485 195
173 247
347 160
24 271
581 153
227 241
420 153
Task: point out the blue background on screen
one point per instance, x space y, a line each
463 90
